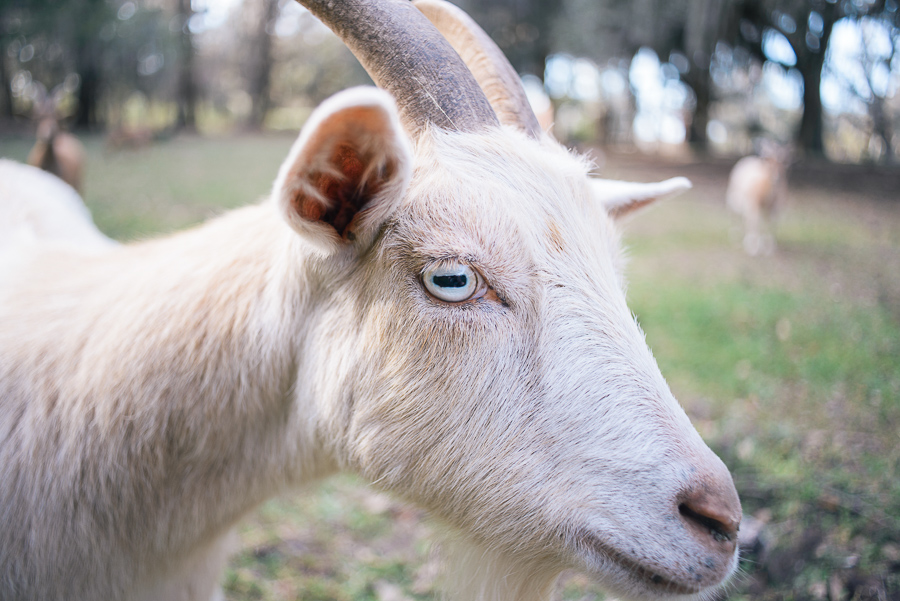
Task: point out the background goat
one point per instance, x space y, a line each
431 298
56 150
757 190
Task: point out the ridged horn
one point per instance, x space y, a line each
491 68
405 55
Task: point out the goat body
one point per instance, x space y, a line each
58 152
439 311
757 189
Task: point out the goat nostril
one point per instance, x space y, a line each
721 526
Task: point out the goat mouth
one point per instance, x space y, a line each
639 572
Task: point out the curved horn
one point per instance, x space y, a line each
487 62
408 57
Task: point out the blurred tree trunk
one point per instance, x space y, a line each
187 87
6 100
879 108
260 71
699 81
882 126
809 136
87 116
810 61
539 19
6 36
703 29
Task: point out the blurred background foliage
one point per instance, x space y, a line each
711 76
788 365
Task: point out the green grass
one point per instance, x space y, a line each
343 542
777 369
171 185
788 365
737 340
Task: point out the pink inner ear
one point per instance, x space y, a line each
347 193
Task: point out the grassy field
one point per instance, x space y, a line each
789 366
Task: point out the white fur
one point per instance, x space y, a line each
622 197
154 393
41 208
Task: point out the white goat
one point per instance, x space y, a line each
757 190
431 299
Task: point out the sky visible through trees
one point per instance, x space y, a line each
719 75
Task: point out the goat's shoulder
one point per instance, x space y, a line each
37 208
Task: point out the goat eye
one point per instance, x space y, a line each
452 283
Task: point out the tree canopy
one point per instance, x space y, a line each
267 55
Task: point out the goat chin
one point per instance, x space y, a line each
475 572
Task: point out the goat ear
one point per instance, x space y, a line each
347 170
623 198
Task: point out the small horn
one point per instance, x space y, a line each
492 70
405 55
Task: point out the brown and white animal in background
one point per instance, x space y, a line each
431 298
56 150
757 190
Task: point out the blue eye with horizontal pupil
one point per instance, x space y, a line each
451 282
